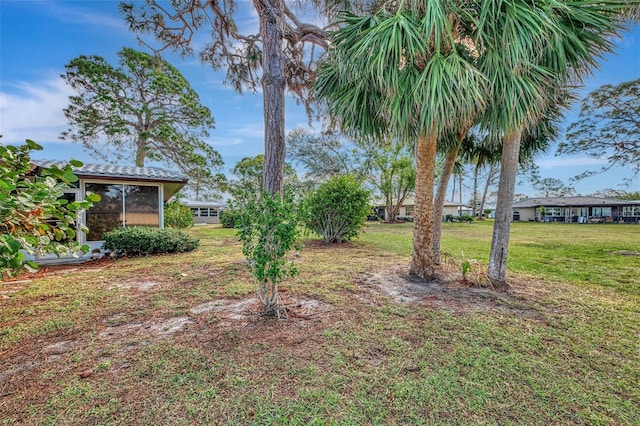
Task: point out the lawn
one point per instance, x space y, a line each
179 339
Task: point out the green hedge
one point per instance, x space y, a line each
143 241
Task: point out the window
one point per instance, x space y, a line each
409 210
214 212
630 211
601 211
121 205
204 212
195 211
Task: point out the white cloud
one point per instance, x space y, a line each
216 142
551 163
34 111
78 16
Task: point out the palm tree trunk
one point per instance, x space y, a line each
504 209
271 13
438 202
422 260
474 198
486 189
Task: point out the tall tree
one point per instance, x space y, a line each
248 172
401 71
608 126
145 109
553 187
324 154
391 170
281 54
532 53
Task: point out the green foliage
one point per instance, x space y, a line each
338 209
177 215
268 228
608 126
33 215
248 173
159 118
229 218
144 241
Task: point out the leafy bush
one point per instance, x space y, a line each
229 218
33 216
177 215
143 241
338 209
268 228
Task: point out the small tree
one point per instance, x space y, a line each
268 228
33 216
338 209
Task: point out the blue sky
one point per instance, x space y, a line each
38 37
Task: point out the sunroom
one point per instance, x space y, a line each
130 196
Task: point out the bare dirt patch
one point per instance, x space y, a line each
450 292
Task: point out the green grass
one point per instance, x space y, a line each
562 347
578 253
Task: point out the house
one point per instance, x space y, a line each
130 196
205 212
449 209
576 210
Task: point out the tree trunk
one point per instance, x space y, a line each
271 13
492 168
438 202
504 209
422 259
474 198
140 154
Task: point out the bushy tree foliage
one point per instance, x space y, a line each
178 215
608 126
338 209
144 109
248 177
33 216
324 154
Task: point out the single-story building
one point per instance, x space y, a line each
130 196
450 208
205 211
576 210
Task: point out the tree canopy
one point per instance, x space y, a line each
281 54
143 110
608 126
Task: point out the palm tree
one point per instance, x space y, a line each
532 52
402 72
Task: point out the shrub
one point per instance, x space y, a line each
33 215
268 228
177 215
143 241
229 218
338 209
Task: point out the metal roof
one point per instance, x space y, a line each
110 171
572 202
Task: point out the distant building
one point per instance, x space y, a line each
449 209
576 210
205 212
